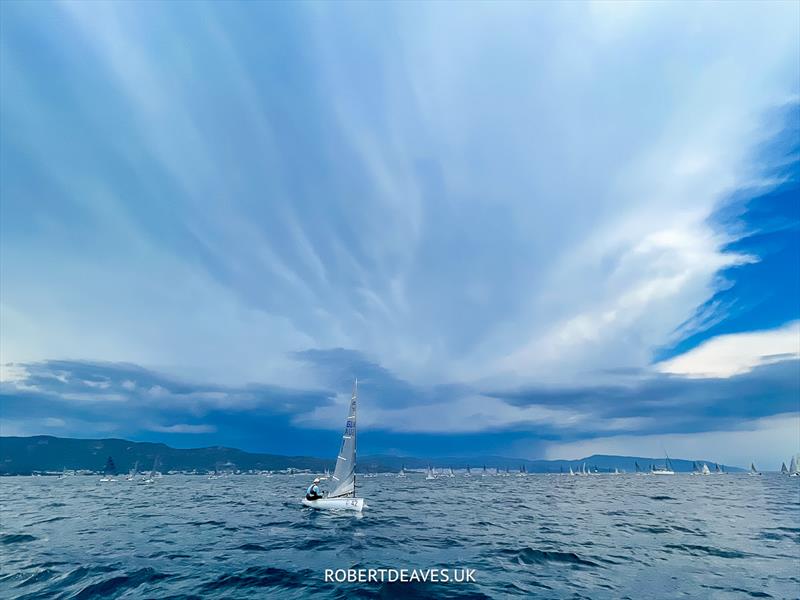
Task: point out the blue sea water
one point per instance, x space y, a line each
548 536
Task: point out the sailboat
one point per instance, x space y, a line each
132 473
666 469
402 472
343 496
753 470
430 474
637 467
468 473
450 473
521 471
483 474
571 472
151 477
110 471
784 470
794 469
705 470
717 470
616 471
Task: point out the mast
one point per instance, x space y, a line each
355 432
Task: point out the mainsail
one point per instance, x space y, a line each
793 468
344 475
784 470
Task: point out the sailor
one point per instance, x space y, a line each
313 493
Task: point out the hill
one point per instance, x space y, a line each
44 453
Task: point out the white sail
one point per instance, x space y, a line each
344 475
793 467
705 470
784 470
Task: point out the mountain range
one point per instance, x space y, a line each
44 453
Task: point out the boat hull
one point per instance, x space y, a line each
356 504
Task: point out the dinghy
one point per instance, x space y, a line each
343 496
705 470
571 472
717 470
784 470
794 469
402 472
450 473
753 470
430 474
151 478
133 472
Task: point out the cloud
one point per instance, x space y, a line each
733 354
384 197
496 229
183 428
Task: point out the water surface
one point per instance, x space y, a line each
548 536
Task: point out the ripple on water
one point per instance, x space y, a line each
16 538
532 556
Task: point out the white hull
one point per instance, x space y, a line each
661 472
356 504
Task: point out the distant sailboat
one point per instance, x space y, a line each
571 472
343 496
753 470
637 467
717 470
705 470
522 471
430 474
483 473
402 472
616 471
666 469
133 472
794 468
110 471
468 473
151 477
784 470
450 472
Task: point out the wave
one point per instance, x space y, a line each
116 585
16 538
532 556
260 577
696 550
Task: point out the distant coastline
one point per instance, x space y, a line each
49 455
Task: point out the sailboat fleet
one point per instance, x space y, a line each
344 496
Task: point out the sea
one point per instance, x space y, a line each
537 536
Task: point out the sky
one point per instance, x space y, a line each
538 230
